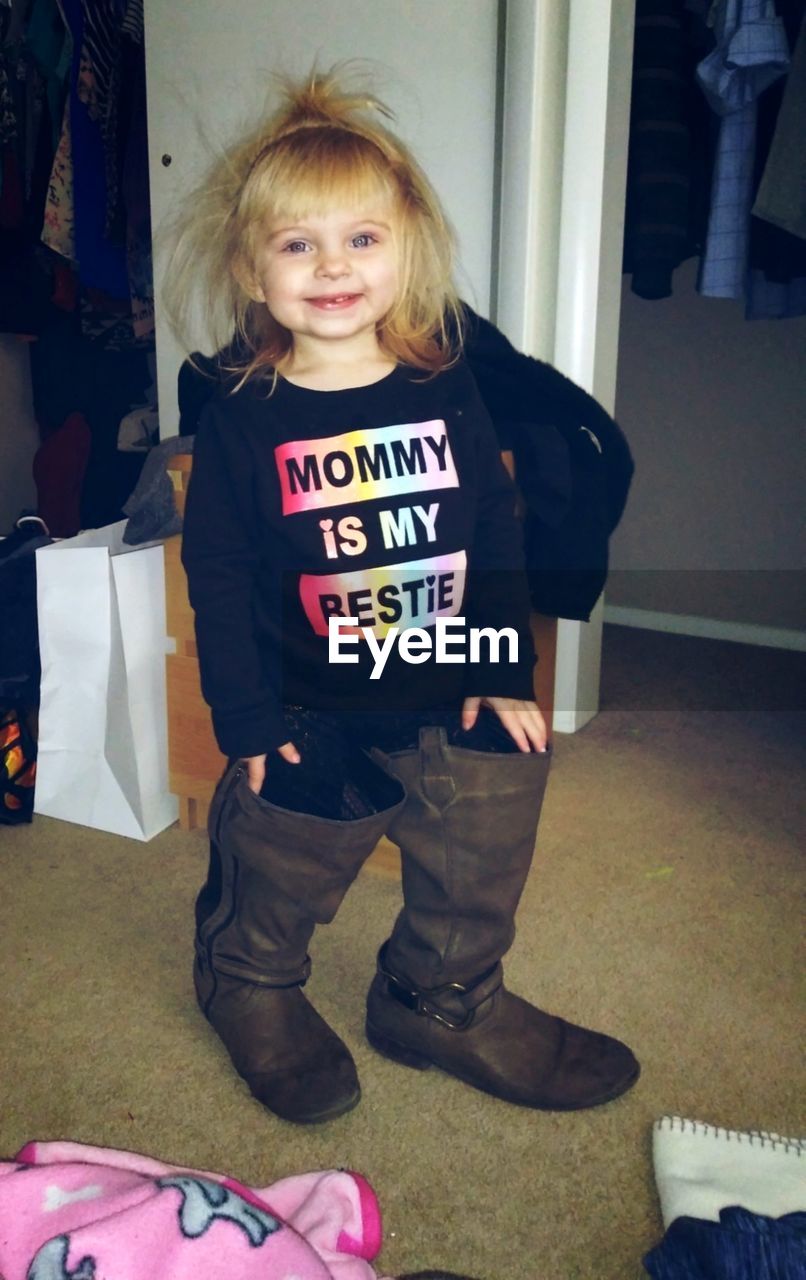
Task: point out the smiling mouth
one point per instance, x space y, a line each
334 302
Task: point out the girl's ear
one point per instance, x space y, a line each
245 275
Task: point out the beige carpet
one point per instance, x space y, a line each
664 906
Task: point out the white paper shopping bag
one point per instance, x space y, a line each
103 734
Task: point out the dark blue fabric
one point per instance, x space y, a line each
751 54
741 1246
103 263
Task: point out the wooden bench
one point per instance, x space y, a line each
195 762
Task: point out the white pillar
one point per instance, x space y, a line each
597 125
535 57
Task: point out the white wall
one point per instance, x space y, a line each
208 73
714 407
19 435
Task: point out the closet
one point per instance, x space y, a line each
76 291
711 390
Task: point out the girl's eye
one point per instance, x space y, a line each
363 240
295 246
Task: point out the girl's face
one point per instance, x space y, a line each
329 277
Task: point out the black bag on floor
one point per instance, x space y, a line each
17 769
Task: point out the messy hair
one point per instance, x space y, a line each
325 147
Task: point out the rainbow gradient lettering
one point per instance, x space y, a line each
361 465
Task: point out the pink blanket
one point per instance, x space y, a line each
73 1212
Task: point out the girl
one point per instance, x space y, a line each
362 619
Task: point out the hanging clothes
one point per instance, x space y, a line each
776 286
781 197
751 53
671 147
97 213
102 263
135 174
99 88
50 47
28 86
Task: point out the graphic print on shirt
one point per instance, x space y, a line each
56 1197
50 1263
205 1202
362 466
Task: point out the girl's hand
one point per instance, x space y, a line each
256 765
522 720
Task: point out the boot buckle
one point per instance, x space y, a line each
419 1004
460 1024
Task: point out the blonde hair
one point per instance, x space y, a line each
325 147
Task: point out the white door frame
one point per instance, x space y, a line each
565 135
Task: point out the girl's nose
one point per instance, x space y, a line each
332 265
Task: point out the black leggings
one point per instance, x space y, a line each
330 782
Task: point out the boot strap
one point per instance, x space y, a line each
427 1002
232 970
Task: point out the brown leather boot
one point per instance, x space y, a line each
467 834
281 873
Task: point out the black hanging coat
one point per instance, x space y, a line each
573 467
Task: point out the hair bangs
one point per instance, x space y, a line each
314 169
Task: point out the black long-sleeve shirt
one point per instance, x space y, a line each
387 503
